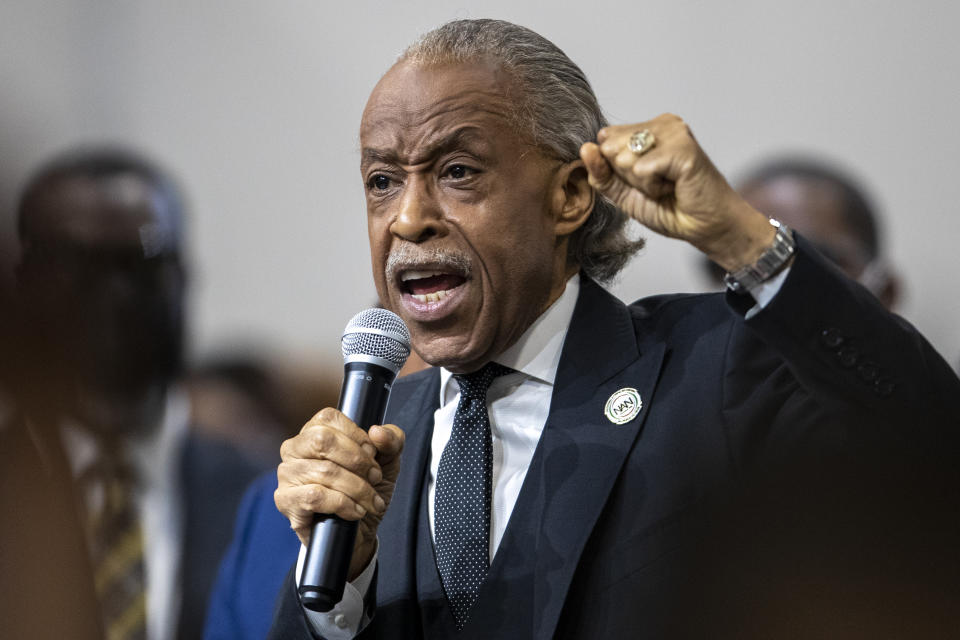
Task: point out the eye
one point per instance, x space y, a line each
459 171
379 182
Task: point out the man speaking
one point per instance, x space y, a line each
545 478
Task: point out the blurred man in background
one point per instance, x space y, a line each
239 398
104 472
829 209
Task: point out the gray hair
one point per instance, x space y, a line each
557 109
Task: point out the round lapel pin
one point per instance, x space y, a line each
623 406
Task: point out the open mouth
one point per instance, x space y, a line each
429 285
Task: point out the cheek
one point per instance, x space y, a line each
513 234
521 261
525 237
375 227
379 242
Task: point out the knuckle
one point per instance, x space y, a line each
317 498
284 501
340 503
285 448
322 439
325 470
313 421
360 461
327 414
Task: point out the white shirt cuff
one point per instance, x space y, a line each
347 618
764 292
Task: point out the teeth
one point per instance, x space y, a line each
419 275
436 296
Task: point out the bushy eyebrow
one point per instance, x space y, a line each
369 155
467 136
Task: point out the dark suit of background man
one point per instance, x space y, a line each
114 514
496 199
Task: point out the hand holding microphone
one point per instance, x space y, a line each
336 479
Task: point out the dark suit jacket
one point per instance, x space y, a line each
596 544
44 568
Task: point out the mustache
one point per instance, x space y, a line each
409 256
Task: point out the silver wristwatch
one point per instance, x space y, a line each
767 265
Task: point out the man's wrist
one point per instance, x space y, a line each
740 239
361 557
777 255
349 616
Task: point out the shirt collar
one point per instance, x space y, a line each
151 452
537 353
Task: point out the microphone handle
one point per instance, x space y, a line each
363 399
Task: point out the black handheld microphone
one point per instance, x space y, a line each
375 346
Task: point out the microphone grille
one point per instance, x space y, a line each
379 334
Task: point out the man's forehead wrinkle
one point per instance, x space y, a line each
433 129
427 145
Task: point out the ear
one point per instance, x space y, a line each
889 293
573 198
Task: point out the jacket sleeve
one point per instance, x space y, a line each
838 362
289 620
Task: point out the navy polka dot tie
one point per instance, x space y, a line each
462 509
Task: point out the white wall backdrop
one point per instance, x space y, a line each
255 106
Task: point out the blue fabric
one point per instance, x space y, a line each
263 549
214 474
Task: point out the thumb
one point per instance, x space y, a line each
388 439
600 173
605 180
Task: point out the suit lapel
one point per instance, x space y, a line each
414 400
581 451
43 551
576 465
412 406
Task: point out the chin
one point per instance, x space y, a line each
434 357
449 356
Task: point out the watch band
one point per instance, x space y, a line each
767 265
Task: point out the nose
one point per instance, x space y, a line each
419 217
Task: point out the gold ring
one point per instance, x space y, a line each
641 142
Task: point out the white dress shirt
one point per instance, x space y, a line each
155 458
518 406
